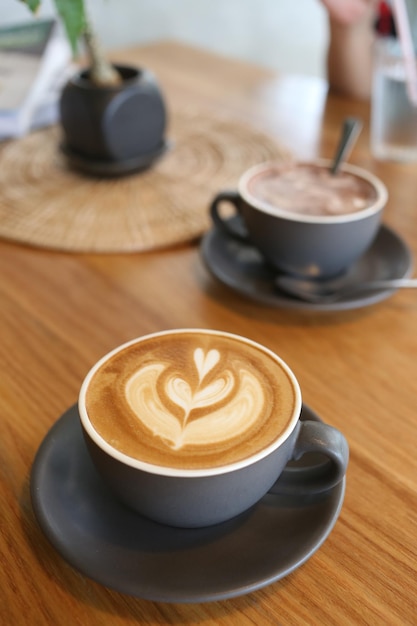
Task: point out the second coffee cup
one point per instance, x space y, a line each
305 220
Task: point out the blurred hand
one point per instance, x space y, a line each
347 11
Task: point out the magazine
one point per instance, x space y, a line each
32 56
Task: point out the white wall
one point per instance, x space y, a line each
281 34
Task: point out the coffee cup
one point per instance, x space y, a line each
303 219
192 427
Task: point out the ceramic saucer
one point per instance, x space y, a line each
240 266
110 168
122 550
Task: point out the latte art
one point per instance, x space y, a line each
221 406
190 399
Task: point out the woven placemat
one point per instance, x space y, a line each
46 204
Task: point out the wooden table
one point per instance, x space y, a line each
357 370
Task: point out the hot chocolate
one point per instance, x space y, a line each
191 399
309 189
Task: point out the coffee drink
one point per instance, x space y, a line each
191 427
302 219
309 189
191 399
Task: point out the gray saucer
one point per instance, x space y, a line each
120 549
105 169
240 266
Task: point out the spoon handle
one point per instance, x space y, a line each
351 129
395 283
332 292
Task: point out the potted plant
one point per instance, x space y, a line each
113 116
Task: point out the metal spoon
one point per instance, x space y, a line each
333 290
350 131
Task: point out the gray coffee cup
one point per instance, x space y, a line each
305 245
202 497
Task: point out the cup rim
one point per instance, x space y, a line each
264 207
186 472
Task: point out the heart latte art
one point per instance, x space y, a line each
215 410
190 400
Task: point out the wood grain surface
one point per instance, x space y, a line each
358 370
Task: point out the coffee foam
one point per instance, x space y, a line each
309 189
191 400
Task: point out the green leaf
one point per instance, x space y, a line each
72 13
32 4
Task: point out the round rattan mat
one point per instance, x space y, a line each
46 204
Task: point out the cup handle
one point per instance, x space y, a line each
233 226
319 461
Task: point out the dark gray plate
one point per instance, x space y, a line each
124 551
241 267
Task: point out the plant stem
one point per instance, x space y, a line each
101 72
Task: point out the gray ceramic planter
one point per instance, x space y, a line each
113 130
